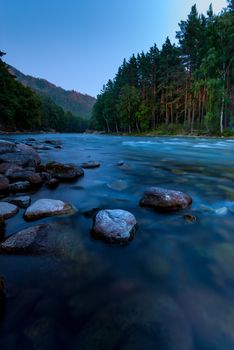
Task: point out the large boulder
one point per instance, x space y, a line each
64 172
9 167
25 175
6 146
7 210
164 200
37 239
114 226
48 207
18 154
46 238
4 185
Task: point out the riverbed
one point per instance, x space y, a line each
170 288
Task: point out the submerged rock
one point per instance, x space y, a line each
120 163
7 210
189 218
141 321
114 226
165 200
90 165
118 185
64 172
48 207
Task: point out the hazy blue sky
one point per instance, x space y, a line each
79 44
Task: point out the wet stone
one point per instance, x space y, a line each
52 183
20 186
64 172
90 165
25 175
114 226
48 207
20 201
164 200
189 218
37 239
7 210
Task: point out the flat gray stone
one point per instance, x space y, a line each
7 210
114 226
48 207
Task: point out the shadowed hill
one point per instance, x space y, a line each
71 101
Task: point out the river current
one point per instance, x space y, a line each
170 288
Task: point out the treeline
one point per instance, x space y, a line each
188 86
24 110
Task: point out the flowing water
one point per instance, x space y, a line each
171 288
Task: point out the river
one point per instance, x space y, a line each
171 288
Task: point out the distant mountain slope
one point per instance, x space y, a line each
71 101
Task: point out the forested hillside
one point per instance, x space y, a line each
71 101
187 87
22 109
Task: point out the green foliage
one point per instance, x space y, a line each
190 84
22 109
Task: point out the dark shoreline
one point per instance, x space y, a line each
5 133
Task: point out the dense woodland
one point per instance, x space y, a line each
24 110
186 87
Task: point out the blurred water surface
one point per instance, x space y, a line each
171 288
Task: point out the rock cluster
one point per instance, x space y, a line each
21 170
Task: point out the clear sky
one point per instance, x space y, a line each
79 44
